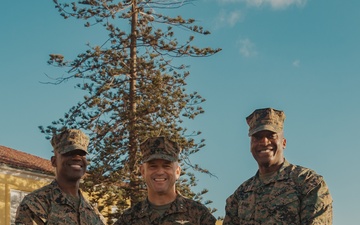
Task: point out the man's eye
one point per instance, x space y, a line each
273 136
75 152
257 137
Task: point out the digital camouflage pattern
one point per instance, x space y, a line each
159 148
296 195
69 140
266 119
182 211
48 205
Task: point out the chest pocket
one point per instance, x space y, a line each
62 214
247 205
271 206
285 207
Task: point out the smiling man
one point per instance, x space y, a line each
280 192
61 202
164 205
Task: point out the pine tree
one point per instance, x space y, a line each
135 90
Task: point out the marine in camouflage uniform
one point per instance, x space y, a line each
49 205
296 195
164 205
62 202
280 192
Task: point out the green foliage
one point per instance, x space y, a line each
134 91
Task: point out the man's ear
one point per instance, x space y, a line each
178 171
53 161
142 170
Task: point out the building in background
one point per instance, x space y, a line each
20 173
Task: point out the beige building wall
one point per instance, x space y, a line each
17 180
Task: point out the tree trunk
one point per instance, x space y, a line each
132 99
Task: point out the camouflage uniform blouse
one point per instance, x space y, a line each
296 195
181 211
48 205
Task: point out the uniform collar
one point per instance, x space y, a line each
178 205
256 182
60 196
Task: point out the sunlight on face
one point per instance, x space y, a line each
160 176
267 148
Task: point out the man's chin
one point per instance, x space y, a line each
160 191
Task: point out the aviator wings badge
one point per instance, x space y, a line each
182 221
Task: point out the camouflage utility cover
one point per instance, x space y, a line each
160 148
266 119
70 140
48 205
181 211
296 195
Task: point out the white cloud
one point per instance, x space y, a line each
247 48
275 4
234 17
225 18
230 1
296 63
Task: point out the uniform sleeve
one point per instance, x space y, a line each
101 217
231 211
316 202
207 218
93 216
118 222
25 216
122 221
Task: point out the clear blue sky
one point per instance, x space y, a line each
296 55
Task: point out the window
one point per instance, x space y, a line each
114 210
16 197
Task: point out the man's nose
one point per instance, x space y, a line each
160 170
264 140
